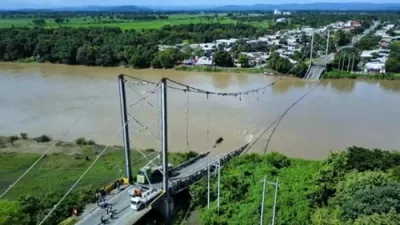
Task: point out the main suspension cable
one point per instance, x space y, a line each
83 174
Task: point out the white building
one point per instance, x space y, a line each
204 61
375 67
226 42
281 20
277 12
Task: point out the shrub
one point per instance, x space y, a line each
12 139
91 142
24 136
43 138
278 160
80 141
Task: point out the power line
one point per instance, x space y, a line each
40 158
80 178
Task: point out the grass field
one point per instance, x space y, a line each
128 24
59 170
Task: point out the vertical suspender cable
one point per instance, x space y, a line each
187 118
208 124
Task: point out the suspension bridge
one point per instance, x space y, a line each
175 179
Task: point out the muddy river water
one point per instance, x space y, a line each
67 102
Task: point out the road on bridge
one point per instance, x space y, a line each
124 215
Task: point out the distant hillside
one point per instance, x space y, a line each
333 6
350 6
122 8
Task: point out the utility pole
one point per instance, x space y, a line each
164 143
352 64
275 198
208 183
124 120
262 201
312 46
219 180
327 52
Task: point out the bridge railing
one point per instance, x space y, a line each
196 176
189 162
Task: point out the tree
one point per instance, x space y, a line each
223 59
341 38
301 69
243 61
378 200
355 181
11 213
169 57
391 218
39 22
137 61
393 62
58 20
368 42
187 52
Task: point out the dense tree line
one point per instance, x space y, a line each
354 187
109 46
30 210
347 60
393 62
318 19
368 42
80 14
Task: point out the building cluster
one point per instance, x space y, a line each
376 59
284 42
287 42
345 26
278 12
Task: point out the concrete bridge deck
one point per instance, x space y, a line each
186 175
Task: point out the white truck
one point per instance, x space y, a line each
140 199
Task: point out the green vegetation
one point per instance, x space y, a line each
393 62
220 69
111 46
125 22
352 187
83 141
335 74
368 42
39 190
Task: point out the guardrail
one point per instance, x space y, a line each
196 176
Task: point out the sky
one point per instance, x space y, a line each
63 3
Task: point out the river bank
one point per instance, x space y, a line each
348 75
252 70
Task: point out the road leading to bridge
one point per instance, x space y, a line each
124 215
185 176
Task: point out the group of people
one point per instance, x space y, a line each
109 212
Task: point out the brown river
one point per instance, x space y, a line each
67 102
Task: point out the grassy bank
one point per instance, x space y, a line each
347 188
64 164
219 69
47 182
123 24
346 75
